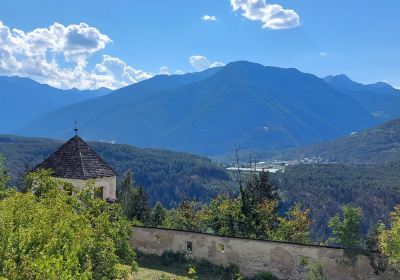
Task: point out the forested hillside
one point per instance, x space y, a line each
377 145
167 176
325 187
171 177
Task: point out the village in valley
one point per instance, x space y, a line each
272 166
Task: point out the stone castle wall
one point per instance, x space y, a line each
284 260
108 184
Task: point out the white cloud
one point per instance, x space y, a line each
179 72
272 16
209 18
118 73
164 70
58 55
201 63
216 64
322 53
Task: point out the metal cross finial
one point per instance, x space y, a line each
76 128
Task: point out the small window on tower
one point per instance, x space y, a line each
222 247
157 239
189 246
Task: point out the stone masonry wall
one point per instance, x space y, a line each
284 260
109 185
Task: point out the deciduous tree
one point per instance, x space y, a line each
294 226
49 232
346 231
390 239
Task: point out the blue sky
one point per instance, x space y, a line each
358 38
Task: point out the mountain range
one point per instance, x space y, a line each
23 99
256 107
380 99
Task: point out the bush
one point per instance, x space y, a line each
123 271
191 273
204 267
169 257
264 275
316 271
233 272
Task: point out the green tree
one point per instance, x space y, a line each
295 226
347 232
261 188
126 194
223 215
4 178
258 193
188 216
134 200
377 259
141 205
50 232
268 217
389 239
158 214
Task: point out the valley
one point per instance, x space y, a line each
272 114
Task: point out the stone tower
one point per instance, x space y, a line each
76 162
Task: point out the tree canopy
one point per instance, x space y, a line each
390 239
55 232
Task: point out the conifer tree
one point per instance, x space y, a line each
126 194
134 200
141 207
158 215
4 178
259 192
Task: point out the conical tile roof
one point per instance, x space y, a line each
77 160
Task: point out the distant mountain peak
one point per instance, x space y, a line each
341 78
242 67
344 82
381 85
243 64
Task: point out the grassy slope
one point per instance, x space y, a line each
151 268
156 274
